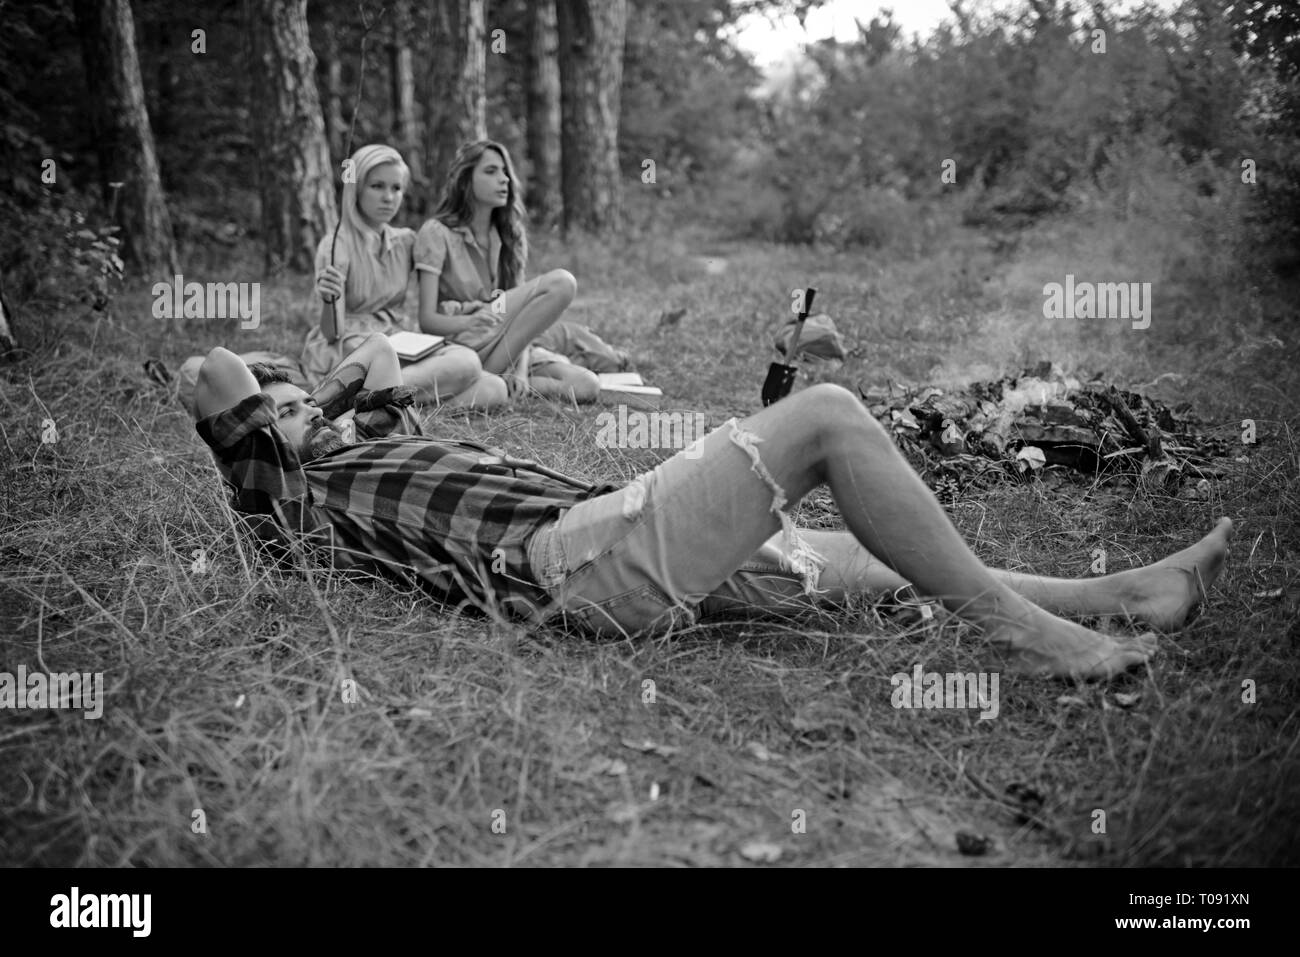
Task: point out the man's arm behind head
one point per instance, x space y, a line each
224 381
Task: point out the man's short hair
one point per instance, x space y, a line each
265 373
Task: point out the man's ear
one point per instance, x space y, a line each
224 381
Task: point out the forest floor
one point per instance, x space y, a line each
477 743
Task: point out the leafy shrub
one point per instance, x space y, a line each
60 255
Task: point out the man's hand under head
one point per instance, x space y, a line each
225 381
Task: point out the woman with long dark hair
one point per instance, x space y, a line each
471 257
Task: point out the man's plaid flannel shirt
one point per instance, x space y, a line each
410 504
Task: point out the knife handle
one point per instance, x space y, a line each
798 328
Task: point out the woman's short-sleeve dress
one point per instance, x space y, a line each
466 273
369 306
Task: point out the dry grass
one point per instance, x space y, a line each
224 688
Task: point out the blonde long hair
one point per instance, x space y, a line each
354 230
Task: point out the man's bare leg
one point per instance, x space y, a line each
825 435
1161 594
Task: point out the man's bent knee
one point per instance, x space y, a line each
837 414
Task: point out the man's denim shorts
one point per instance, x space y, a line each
696 536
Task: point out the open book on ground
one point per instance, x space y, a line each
630 382
414 346
628 387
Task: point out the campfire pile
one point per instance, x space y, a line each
1021 425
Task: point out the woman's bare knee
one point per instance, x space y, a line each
451 372
585 385
487 392
490 392
560 283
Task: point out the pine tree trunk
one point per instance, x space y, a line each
455 94
406 135
293 161
123 139
164 107
336 129
591 34
8 343
543 106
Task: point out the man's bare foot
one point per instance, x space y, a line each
1050 646
1164 594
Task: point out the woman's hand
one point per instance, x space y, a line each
484 320
329 284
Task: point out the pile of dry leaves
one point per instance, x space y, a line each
1022 425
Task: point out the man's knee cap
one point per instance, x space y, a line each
828 395
837 410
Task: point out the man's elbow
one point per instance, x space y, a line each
219 356
223 381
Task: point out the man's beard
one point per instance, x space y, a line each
323 440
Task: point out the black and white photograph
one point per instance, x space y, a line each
760 435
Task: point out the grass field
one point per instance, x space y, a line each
224 685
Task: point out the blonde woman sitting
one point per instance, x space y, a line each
372 266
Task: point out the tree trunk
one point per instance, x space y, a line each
543 106
293 159
336 129
455 93
164 107
591 36
123 139
8 343
406 134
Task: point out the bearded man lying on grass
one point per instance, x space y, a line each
707 531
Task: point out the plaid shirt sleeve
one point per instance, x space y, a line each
379 412
256 456
386 412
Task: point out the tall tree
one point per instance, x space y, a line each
293 161
543 111
591 36
8 343
455 94
123 139
405 127
331 69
